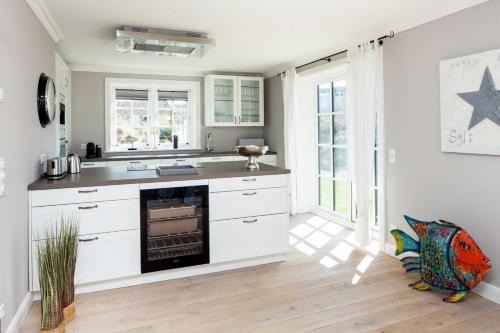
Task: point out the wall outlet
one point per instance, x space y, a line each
2 177
43 159
83 146
392 156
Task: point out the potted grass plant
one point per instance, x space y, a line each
57 250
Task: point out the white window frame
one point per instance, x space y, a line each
194 109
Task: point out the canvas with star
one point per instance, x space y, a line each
470 104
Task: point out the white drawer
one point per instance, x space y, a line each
93 217
216 159
102 257
247 183
86 165
236 204
84 194
248 237
180 161
137 163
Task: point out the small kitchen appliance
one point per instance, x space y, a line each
252 152
56 168
74 163
90 149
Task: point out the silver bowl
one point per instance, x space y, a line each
252 152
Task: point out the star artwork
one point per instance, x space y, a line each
470 104
486 101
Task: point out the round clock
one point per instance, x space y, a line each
46 100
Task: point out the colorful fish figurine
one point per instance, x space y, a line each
449 259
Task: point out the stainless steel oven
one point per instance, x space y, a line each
174 225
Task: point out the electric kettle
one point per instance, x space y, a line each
74 163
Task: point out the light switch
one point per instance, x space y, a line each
2 176
2 95
392 156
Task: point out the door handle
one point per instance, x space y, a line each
87 191
239 121
250 193
250 221
88 239
89 207
235 122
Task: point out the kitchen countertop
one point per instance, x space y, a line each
119 175
145 156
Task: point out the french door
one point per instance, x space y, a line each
333 182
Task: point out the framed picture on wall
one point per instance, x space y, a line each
470 104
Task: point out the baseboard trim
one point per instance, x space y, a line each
484 289
21 313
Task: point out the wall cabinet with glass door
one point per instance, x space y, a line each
234 101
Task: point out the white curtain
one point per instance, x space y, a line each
290 118
365 96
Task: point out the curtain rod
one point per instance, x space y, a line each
328 58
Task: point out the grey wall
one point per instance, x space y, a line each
274 117
426 183
88 105
30 52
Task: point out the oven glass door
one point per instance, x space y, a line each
174 228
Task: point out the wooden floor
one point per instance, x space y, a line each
325 285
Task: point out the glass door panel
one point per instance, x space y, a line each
250 101
224 100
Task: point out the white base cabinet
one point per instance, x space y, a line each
249 237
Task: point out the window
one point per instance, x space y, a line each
147 114
334 188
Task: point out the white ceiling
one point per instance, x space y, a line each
254 36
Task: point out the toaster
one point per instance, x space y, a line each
56 168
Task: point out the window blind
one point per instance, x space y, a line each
131 94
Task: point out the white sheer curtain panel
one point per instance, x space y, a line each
365 96
290 129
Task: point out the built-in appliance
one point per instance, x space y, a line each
139 40
74 163
174 225
56 168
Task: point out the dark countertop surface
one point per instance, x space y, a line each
152 156
119 175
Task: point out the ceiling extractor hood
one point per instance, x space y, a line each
137 40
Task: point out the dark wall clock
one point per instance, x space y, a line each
46 100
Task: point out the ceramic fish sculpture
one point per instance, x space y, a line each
449 259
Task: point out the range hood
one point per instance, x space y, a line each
137 40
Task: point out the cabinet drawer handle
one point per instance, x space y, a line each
87 164
135 162
249 179
250 221
250 193
89 207
87 191
180 160
89 239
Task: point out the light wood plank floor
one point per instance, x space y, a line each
325 285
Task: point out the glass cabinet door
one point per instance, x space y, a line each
251 112
224 101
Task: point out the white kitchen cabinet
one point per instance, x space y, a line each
93 217
234 101
249 237
235 204
84 194
86 165
208 159
102 257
